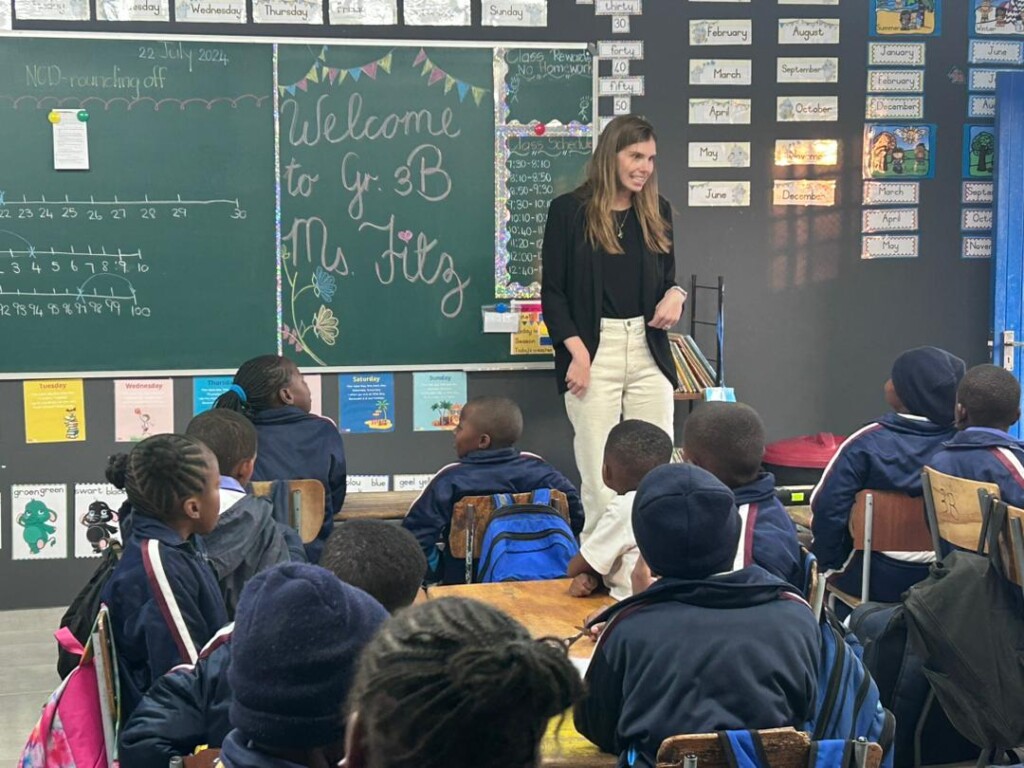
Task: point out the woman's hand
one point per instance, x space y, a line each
669 309
578 375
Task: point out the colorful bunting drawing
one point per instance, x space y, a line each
436 74
321 73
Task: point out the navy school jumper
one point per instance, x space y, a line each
479 473
771 534
988 456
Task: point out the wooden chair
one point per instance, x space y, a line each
471 516
884 521
783 748
1011 543
206 758
956 508
814 583
305 505
386 505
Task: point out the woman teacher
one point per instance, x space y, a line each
609 297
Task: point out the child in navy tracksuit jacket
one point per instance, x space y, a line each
189 705
294 444
887 455
705 648
727 439
988 404
164 599
488 463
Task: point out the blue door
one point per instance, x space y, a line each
1008 248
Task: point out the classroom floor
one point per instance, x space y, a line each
28 674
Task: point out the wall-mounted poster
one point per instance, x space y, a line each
979 151
1001 18
905 17
899 150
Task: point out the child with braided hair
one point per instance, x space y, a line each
294 444
164 599
454 683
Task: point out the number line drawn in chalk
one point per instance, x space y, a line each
81 296
115 201
90 254
77 295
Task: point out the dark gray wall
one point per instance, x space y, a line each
811 329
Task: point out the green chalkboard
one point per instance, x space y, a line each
538 168
161 254
548 84
387 163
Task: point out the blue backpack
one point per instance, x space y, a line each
848 706
743 749
525 542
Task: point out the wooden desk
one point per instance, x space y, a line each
545 608
389 505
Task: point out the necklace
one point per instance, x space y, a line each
621 224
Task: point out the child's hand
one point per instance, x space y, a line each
583 585
595 631
641 577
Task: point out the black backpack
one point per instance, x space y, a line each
924 735
81 615
966 620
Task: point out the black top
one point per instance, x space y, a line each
621 292
572 285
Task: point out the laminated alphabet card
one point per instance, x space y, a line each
898 150
905 17
721 31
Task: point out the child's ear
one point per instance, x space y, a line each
960 416
484 441
243 470
606 474
191 507
284 394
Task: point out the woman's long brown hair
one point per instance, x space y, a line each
603 182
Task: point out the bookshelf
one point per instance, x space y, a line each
694 370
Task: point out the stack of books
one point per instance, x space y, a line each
693 370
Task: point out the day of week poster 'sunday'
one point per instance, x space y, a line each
438 398
514 13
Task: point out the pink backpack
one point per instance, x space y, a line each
78 726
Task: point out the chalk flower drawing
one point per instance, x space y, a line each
324 284
325 326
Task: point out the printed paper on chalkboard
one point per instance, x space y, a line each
806 152
894 108
131 10
804 192
719 111
207 11
892 192
996 52
981 105
620 49
807 69
889 247
976 219
720 71
976 247
898 150
984 79
719 154
896 54
39 522
70 139
977 192
721 31
715 194
889 220
95 518
366 402
287 12
895 80
206 390
514 13
807 109
437 13
375 12
905 17
1000 18
438 398
5 14
52 10
808 31
979 152
142 408
54 411
618 7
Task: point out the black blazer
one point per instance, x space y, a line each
572 288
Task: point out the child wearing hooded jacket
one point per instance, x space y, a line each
887 455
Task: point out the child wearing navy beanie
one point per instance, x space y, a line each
887 454
298 634
710 645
